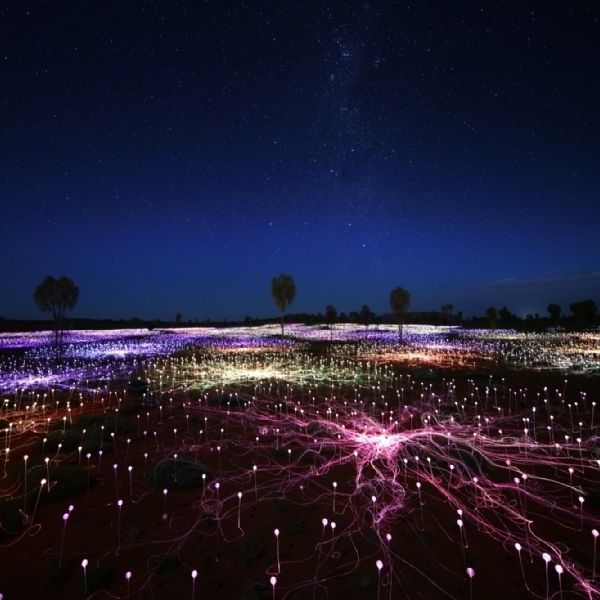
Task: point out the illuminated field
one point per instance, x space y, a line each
426 469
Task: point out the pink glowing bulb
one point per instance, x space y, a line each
471 572
84 564
379 565
276 532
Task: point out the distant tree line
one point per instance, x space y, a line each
59 296
583 314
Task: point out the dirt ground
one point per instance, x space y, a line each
160 539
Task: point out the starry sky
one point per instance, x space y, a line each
175 156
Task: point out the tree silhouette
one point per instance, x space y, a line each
584 312
507 317
366 316
283 290
447 310
330 317
554 310
399 303
492 316
56 296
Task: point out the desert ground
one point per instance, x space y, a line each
342 463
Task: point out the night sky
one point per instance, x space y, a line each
176 156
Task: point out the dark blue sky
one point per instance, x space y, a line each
175 156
